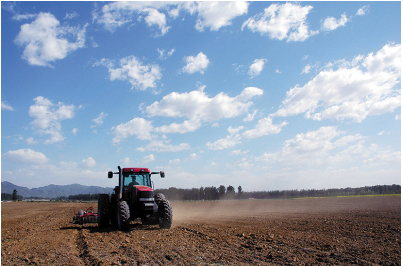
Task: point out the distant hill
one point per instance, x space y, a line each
53 191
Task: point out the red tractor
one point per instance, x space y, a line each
132 199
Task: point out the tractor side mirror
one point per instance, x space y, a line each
110 174
162 173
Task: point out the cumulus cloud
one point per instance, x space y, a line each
250 117
48 116
357 89
6 106
131 69
139 127
215 15
117 14
99 120
195 64
148 159
306 69
282 21
264 127
26 156
256 68
230 141
197 106
162 56
332 23
45 40
314 147
163 146
362 11
88 163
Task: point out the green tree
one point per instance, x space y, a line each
221 191
15 196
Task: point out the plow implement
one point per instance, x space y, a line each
88 216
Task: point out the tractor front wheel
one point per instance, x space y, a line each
103 210
165 214
123 215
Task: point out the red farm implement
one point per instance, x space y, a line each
88 216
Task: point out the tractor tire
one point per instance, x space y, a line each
165 214
114 218
103 210
123 215
158 198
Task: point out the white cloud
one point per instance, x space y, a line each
357 89
175 161
230 141
26 156
131 69
306 69
88 163
74 131
163 146
195 64
71 15
45 41
99 120
137 126
331 23
286 21
250 117
148 159
162 56
190 125
48 117
256 68
198 107
31 141
127 161
264 127
156 18
215 15
5 106
362 11
238 152
117 14
315 147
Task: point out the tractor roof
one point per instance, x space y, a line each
135 170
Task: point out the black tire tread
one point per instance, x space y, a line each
103 210
165 214
123 213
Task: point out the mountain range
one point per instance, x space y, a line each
53 191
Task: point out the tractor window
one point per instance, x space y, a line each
133 179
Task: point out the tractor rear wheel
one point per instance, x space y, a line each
114 219
165 214
103 210
123 215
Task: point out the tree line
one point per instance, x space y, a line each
229 192
222 192
14 196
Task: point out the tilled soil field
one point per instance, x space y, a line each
323 231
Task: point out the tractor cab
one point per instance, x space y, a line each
136 177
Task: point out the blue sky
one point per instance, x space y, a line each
265 95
